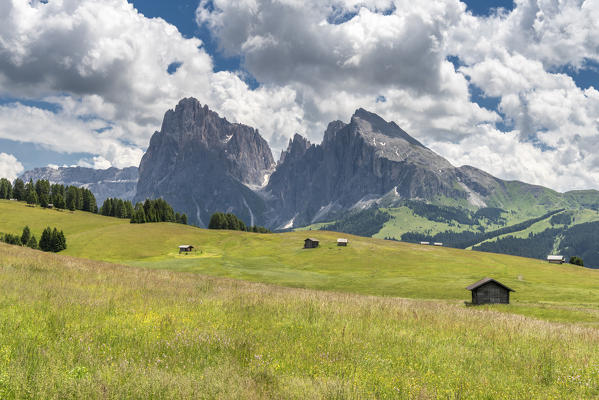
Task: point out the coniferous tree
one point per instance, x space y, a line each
42 189
18 191
5 189
71 200
32 243
58 201
25 236
45 242
184 219
139 215
31 196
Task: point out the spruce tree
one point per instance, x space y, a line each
31 196
71 200
54 241
184 219
25 236
32 243
59 201
45 242
5 189
18 191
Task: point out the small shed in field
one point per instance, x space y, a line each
490 291
185 248
311 243
342 242
437 244
555 259
425 243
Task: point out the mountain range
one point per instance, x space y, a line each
367 176
104 183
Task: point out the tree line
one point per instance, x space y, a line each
462 240
73 198
51 240
44 194
149 211
232 222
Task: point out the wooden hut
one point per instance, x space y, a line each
425 243
489 291
437 244
310 243
342 242
554 259
185 248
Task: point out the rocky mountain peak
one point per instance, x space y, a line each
200 163
368 123
295 149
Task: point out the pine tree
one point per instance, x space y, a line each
61 241
31 196
32 243
18 190
71 200
184 219
45 242
26 235
59 201
55 241
5 189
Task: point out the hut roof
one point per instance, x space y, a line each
555 258
341 240
485 281
312 239
185 246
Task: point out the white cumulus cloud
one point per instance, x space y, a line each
10 167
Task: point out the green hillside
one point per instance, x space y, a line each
517 220
366 266
73 328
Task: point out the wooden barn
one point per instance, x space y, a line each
437 244
185 248
425 243
489 291
311 243
556 259
342 242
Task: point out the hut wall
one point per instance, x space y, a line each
490 293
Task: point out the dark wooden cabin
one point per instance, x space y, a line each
342 242
489 291
310 243
185 248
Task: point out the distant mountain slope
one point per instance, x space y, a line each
201 163
103 183
370 161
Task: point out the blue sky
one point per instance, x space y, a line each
507 87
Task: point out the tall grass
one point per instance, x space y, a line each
72 328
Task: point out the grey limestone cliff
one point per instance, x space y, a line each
201 163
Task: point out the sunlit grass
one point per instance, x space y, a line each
72 328
367 266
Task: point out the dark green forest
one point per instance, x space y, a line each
363 223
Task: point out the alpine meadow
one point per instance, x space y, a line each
373 319
317 199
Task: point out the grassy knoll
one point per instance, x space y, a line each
73 328
366 266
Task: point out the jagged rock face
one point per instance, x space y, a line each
366 158
103 183
201 163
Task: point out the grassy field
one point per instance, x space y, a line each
73 328
367 266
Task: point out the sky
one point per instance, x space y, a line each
511 87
